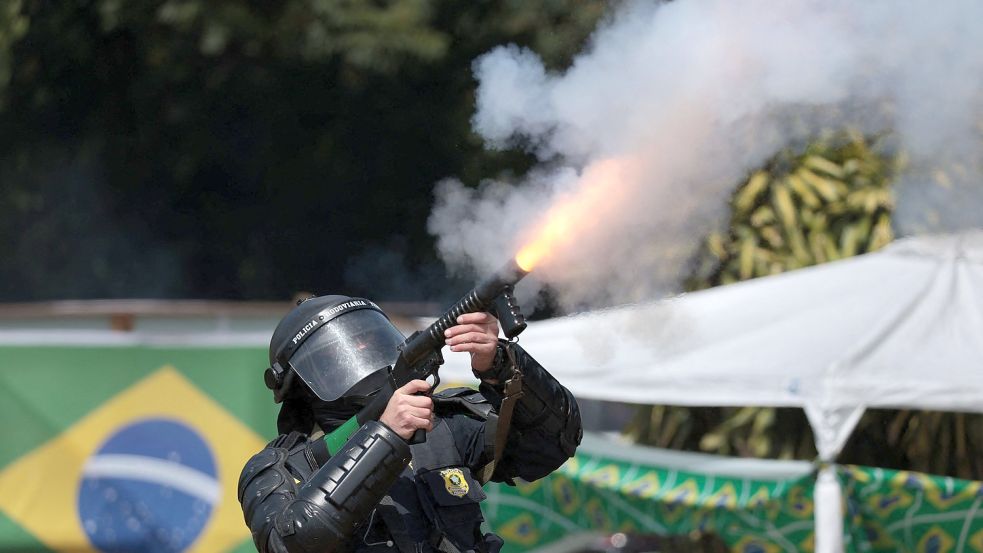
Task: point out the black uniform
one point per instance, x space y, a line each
434 504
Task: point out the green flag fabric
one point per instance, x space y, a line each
129 448
600 490
135 447
899 511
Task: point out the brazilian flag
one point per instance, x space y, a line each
128 448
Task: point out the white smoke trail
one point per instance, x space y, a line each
692 94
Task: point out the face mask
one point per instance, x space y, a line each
331 414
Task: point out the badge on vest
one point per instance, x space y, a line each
455 482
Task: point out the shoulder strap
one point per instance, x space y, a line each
303 454
287 441
513 391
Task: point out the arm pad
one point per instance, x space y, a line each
545 405
336 497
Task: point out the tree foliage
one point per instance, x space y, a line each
244 149
829 201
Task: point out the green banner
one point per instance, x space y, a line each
101 444
605 494
898 511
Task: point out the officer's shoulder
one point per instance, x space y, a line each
463 401
286 454
277 450
260 463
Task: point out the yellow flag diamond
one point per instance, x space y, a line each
159 461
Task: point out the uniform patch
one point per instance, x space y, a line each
455 482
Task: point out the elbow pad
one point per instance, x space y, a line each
343 491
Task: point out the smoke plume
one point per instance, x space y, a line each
671 104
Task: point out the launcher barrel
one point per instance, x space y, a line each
494 294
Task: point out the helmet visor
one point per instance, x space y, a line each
345 357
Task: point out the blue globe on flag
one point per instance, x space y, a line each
150 488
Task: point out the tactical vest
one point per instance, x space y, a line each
435 505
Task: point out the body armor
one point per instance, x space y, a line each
433 503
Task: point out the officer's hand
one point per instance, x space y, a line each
477 334
407 412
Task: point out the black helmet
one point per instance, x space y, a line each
338 345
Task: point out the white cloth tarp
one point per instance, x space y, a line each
902 327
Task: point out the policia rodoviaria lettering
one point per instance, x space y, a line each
378 492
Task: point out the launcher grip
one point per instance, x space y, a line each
506 310
420 435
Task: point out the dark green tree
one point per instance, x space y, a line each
244 149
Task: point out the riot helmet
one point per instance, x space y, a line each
339 346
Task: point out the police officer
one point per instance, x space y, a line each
378 493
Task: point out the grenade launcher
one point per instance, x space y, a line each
419 355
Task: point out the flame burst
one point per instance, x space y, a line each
599 192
